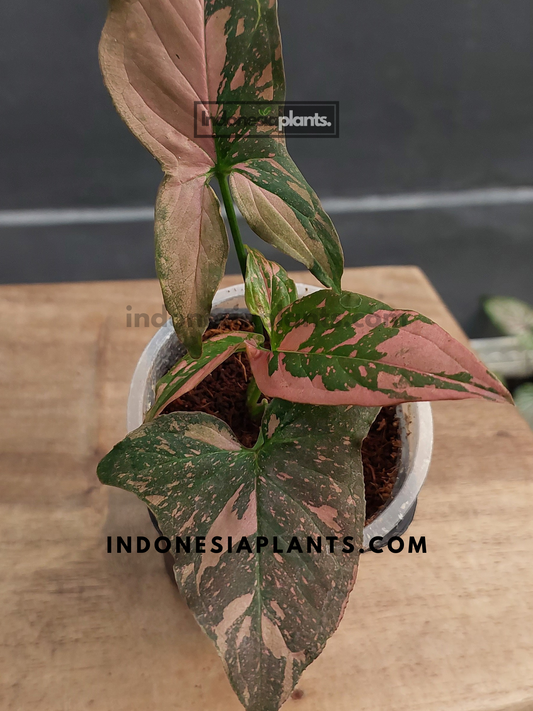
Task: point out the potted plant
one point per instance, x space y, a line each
510 356
245 519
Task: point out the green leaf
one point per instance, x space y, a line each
284 211
185 75
331 349
269 614
511 316
189 372
523 397
269 289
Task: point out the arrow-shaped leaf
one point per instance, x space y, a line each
269 613
188 76
349 349
189 372
269 289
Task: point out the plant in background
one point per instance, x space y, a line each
513 317
523 397
323 364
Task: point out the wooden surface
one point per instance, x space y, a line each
451 630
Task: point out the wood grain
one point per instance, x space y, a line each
451 630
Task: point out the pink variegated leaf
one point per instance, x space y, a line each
269 289
340 349
188 76
281 207
173 65
170 66
191 252
189 372
269 611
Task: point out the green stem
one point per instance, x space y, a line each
253 395
236 235
255 408
233 224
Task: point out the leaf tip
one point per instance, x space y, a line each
192 342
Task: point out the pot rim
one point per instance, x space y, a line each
415 417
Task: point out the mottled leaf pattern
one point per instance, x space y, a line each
349 349
249 74
189 371
269 614
172 65
155 64
269 289
284 211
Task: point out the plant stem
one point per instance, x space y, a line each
236 235
255 408
233 224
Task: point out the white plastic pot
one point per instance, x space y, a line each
416 422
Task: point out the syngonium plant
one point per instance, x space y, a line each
323 364
513 317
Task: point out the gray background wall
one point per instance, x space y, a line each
435 95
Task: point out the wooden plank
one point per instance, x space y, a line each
451 630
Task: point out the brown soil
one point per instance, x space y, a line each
381 452
223 394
